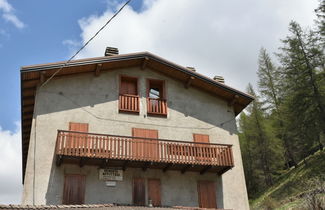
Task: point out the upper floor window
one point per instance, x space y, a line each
156 97
128 97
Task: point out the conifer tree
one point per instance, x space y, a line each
270 89
302 60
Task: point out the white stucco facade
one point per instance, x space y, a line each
94 100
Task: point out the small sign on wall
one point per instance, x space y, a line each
110 174
110 183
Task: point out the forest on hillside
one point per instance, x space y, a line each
286 121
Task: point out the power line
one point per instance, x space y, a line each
72 57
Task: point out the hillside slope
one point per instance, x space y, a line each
292 187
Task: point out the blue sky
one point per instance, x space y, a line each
46 25
217 37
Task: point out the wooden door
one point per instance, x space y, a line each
74 189
139 192
145 148
202 151
206 194
154 193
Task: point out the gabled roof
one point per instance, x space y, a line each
32 76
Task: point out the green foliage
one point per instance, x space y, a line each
286 121
301 186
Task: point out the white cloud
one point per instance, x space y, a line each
13 19
216 37
5 6
8 14
10 167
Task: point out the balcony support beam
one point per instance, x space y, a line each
184 169
104 163
167 167
222 171
125 165
205 169
59 160
82 162
145 166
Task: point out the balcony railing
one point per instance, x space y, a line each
91 145
157 106
129 103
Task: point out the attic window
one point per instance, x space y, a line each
156 89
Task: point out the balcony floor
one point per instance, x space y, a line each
144 165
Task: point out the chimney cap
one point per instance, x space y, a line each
191 68
110 51
219 79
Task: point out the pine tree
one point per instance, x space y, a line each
302 60
270 88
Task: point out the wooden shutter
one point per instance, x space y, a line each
202 151
154 193
139 192
129 86
81 127
78 140
207 194
74 189
145 148
201 138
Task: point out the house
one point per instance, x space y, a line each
131 129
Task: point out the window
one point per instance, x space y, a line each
156 89
156 97
129 98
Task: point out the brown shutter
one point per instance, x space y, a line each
202 138
81 127
145 148
139 192
154 193
74 189
207 194
202 153
129 86
77 140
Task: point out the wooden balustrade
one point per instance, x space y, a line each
157 106
129 103
71 143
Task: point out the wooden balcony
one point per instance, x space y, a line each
129 103
126 151
157 106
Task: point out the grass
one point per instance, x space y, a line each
285 193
